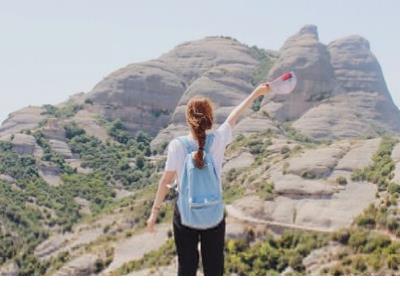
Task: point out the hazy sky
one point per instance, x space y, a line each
52 49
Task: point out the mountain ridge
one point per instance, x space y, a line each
151 96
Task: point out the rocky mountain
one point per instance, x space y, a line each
341 91
311 178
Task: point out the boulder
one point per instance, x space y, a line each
51 246
297 187
81 266
243 160
53 129
9 269
316 163
320 257
7 178
322 212
87 119
359 156
83 204
23 143
251 205
50 173
61 148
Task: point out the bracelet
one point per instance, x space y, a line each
156 208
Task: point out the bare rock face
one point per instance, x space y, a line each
145 95
141 95
362 105
9 269
310 60
87 119
54 130
26 118
255 122
23 143
81 266
316 163
241 161
136 246
294 186
7 178
359 156
224 75
306 192
50 173
320 257
61 148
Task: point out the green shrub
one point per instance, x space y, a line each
360 264
393 262
117 130
265 190
394 188
231 175
358 239
381 168
232 193
272 255
341 180
16 165
66 111
308 175
72 130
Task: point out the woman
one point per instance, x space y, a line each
199 117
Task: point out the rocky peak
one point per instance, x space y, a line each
361 104
356 67
351 42
309 29
310 59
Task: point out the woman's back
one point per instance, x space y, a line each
176 151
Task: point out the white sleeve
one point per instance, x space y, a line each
172 163
224 132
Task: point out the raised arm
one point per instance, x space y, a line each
246 103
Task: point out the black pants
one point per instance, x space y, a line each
212 243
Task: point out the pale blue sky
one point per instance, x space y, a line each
52 49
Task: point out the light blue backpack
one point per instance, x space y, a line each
200 200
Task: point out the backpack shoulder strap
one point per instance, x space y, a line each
209 142
186 144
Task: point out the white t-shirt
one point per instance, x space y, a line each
176 151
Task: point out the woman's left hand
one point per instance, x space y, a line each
151 222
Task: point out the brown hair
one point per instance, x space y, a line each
199 116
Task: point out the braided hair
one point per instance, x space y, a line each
199 116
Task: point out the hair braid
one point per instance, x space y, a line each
199 116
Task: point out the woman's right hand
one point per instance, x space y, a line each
261 90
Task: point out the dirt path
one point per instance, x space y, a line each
276 226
